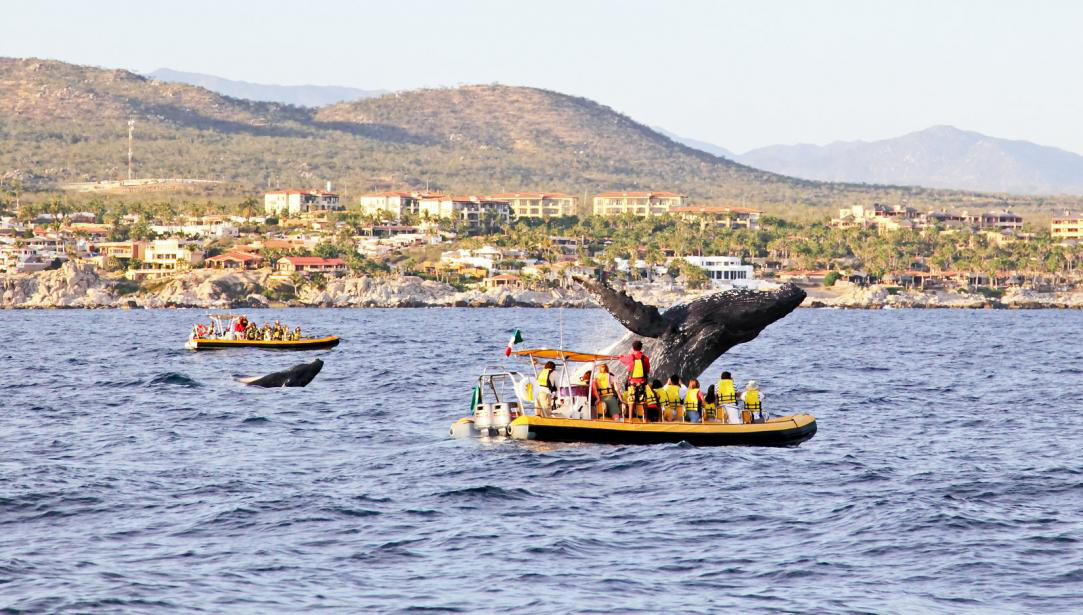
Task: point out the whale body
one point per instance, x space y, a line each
688 337
296 376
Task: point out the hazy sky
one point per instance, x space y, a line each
737 74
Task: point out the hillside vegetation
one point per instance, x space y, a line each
60 122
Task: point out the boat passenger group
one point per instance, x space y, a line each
244 329
649 400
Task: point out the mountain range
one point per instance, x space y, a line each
300 95
64 122
938 157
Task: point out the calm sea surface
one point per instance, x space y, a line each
136 476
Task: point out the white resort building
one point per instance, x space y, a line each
725 271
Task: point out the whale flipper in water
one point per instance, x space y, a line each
296 376
688 337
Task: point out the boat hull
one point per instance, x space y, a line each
315 343
781 431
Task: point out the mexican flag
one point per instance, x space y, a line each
516 338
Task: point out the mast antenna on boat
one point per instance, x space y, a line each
561 313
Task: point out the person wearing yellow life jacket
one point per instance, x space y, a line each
605 391
727 399
652 407
672 408
710 405
693 403
546 389
752 399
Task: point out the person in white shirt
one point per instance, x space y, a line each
752 399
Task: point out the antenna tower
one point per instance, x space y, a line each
131 127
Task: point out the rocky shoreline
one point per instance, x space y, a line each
83 286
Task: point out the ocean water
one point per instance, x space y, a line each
138 477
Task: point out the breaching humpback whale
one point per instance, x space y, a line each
296 376
688 337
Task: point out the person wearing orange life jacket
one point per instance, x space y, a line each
605 391
639 370
727 399
543 399
693 403
752 398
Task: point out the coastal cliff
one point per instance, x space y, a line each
82 285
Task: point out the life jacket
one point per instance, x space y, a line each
671 399
605 387
691 400
543 379
727 394
752 399
650 396
639 366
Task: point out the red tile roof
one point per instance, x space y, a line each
531 195
314 260
639 194
711 209
236 256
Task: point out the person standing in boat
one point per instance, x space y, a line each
605 391
547 386
752 398
639 369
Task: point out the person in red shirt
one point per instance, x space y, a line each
639 369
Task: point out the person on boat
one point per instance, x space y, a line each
252 331
710 405
297 333
727 399
752 399
670 398
639 369
693 402
238 328
605 391
547 386
267 333
276 331
653 393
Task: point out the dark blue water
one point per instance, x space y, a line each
136 476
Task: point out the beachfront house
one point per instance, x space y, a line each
237 260
165 257
725 271
306 265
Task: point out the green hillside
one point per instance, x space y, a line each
61 122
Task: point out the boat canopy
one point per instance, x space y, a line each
569 356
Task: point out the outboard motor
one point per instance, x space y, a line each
483 418
501 418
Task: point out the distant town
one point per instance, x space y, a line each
536 240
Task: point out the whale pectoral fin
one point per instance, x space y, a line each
637 317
